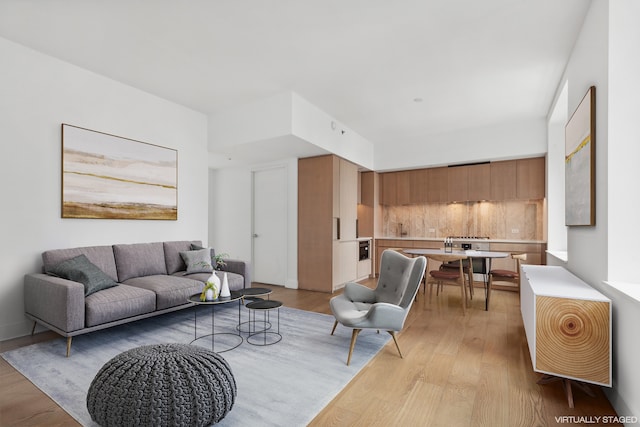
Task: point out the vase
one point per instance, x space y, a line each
212 293
224 290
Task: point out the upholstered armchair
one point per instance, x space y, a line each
385 307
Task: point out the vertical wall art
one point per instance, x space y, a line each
580 157
107 176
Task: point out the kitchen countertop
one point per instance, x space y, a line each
441 239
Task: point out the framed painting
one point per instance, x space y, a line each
580 155
107 176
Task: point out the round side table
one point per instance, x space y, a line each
237 338
250 295
264 336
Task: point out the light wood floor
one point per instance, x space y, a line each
457 371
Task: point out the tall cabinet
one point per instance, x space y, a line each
327 218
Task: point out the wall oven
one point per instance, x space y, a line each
363 252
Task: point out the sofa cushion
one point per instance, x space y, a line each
170 290
197 261
236 281
118 303
139 260
101 256
173 260
80 269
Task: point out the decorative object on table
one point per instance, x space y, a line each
219 260
580 161
211 288
448 244
224 290
162 384
107 176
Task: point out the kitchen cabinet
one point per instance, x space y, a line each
438 185
530 178
479 182
503 180
327 213
395 188
457 184
522 179
419 185
388 191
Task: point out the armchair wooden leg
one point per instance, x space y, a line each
33 330
69 346
393 335
354 336
334 327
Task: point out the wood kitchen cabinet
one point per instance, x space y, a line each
457 184
530 178
522 179
395 188
503 180
479 182
438 185
327 213
419 185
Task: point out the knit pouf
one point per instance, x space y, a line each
162 385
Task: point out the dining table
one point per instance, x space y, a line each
470 253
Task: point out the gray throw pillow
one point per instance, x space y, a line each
80 269
198 261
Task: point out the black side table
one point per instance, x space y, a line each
264 336
249 295
195 299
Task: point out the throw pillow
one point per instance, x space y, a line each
198 261
80 269
213 253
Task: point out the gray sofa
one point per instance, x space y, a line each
144 280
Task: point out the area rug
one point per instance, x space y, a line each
285 384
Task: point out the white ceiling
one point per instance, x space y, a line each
477 62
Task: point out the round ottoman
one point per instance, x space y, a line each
162 385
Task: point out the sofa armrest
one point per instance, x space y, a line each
58 302
240 267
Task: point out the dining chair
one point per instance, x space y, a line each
506 275
447 276
467 268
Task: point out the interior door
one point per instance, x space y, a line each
270 226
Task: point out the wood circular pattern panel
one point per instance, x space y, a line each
572 338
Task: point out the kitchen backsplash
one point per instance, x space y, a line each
510 220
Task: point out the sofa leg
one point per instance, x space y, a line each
33 330
69 346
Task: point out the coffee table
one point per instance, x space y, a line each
195 299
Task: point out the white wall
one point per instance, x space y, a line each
38 94
503 141
605 56
231 207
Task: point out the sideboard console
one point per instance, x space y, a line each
568 327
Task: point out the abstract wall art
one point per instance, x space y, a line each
580 156
107 176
